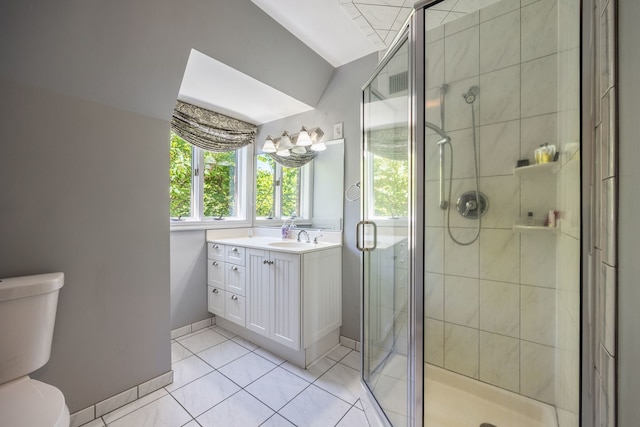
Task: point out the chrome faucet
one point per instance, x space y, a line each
305 233
315 239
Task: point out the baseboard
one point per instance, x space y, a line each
348 342
184 330
114 402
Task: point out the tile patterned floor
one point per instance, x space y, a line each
223 380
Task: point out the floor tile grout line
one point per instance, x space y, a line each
131 403
210 408
288 401
314 381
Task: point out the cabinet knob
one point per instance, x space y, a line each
270 262
234 250
233 297
234 268
264 261
215 291
216 247
215 264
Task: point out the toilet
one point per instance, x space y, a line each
27 315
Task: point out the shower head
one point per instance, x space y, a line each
436 129
471 94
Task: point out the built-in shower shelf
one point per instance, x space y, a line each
521 226
542 168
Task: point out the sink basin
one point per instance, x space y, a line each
290 244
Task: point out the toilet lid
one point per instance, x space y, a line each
30 403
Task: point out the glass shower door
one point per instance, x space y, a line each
383 235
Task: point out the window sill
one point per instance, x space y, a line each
208 225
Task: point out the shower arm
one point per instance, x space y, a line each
445 140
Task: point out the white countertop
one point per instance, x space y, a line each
275 244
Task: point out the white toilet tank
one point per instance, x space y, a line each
27 316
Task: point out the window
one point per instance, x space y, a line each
282 192
206 185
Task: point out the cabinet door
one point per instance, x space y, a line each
234 255
215 301
234 279
215 273
234 308
322 294
215 251
258 273
285 299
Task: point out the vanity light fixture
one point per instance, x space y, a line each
299 150
303 138
269 145
299 144
318 146
285 141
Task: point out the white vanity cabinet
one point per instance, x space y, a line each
226 282
273 296
289 303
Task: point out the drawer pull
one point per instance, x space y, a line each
264 261
215 291
270 262
215 264
234 250
234 268
233 297
216 247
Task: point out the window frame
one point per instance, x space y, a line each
243 194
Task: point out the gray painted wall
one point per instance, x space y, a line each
88 92
84 192
629 206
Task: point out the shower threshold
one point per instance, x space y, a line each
454 400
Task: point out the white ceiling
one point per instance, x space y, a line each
323 25
234 93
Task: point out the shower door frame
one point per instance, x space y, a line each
414 33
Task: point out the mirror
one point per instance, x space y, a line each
328 186
324 202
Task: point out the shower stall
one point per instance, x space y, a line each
471 237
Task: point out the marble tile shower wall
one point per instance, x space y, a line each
491 306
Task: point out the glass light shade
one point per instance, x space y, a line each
319 146
299 150
303 138
269 146
283 153
285 142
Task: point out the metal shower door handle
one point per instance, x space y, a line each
361 244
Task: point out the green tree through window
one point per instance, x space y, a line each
180 177
215 194
390 184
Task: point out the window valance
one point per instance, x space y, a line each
209 130
294 160
390 143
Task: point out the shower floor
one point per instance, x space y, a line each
453 400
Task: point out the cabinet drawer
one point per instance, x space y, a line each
235 278
215 251
234 308
234 255
215 300
215 273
